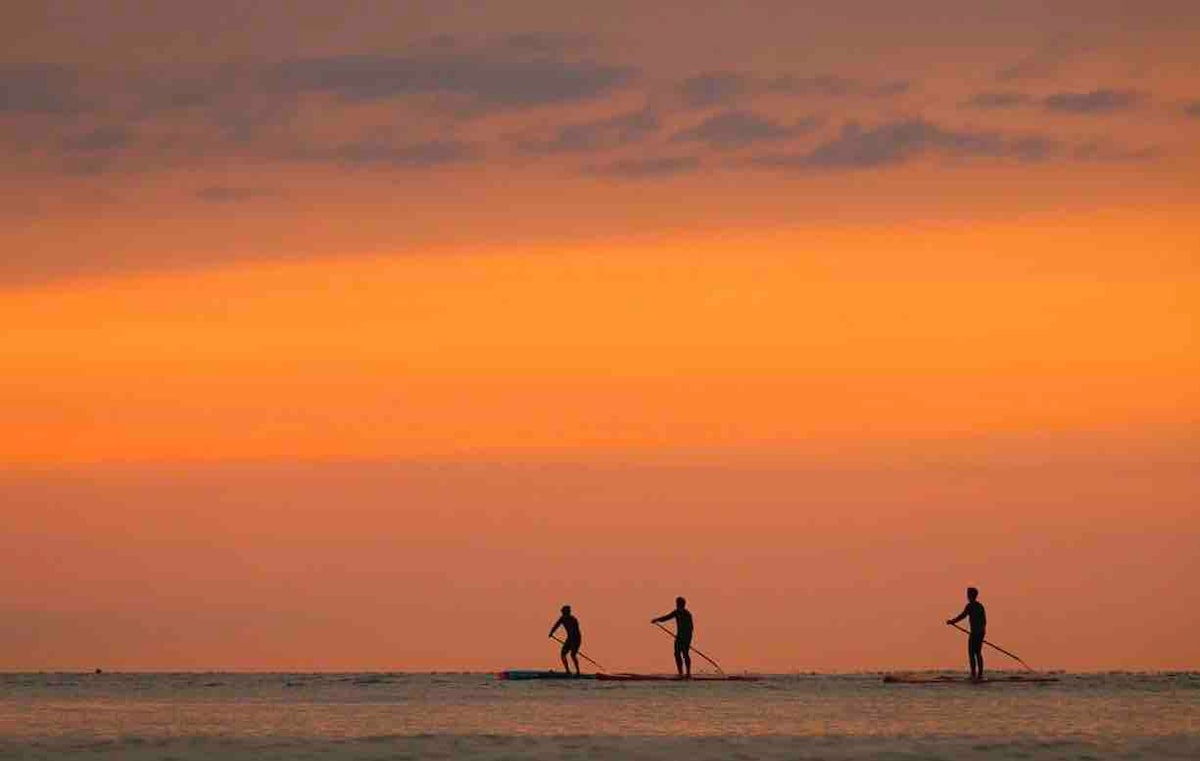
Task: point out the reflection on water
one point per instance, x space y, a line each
331 706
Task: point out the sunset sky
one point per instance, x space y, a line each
364 335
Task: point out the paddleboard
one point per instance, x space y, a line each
526 674
676 678
520 674
959 679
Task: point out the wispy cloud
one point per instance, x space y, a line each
39 88
997 100
380 152
831 85
728 88
1107 151
100 140
636 169
735 129
230 194
1043 62
1103 101
599 134
899 142
713 88
486 78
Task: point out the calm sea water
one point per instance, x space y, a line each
334 716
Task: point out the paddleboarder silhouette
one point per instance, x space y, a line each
975 613
574 639
683 635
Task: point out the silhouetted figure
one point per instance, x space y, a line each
574 639
975 613
683 635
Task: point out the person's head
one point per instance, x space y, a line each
680 603
972 593
566 610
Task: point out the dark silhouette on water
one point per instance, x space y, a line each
574 639
977 617
683 635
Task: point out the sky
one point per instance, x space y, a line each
364 337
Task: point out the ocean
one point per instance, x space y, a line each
476 716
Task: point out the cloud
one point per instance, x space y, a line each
1043 62
636 169
418 155
96 150
1094 102
725 88
996 100
734 129
100 140
831 85
491 78
898 142
230 194
714 88
601 134
39 88
1192 109
1102 150
547 42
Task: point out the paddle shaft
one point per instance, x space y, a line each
581 654
694 650
997 647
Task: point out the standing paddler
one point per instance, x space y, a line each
683 635
977 617
574 639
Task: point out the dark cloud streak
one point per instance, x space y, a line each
650 168
230 194
1041 63
418 155
487 79
726 88
39 88
833 86
600 134
101 140
1104 101
713 88
899 142
997 100
735 129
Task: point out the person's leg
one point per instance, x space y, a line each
678 658
563 654
686 647
575 658
979 657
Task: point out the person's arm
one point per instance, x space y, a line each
660 619
554 628
957 618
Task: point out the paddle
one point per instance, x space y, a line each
997 647
720 670
581 655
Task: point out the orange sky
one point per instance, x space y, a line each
324 347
